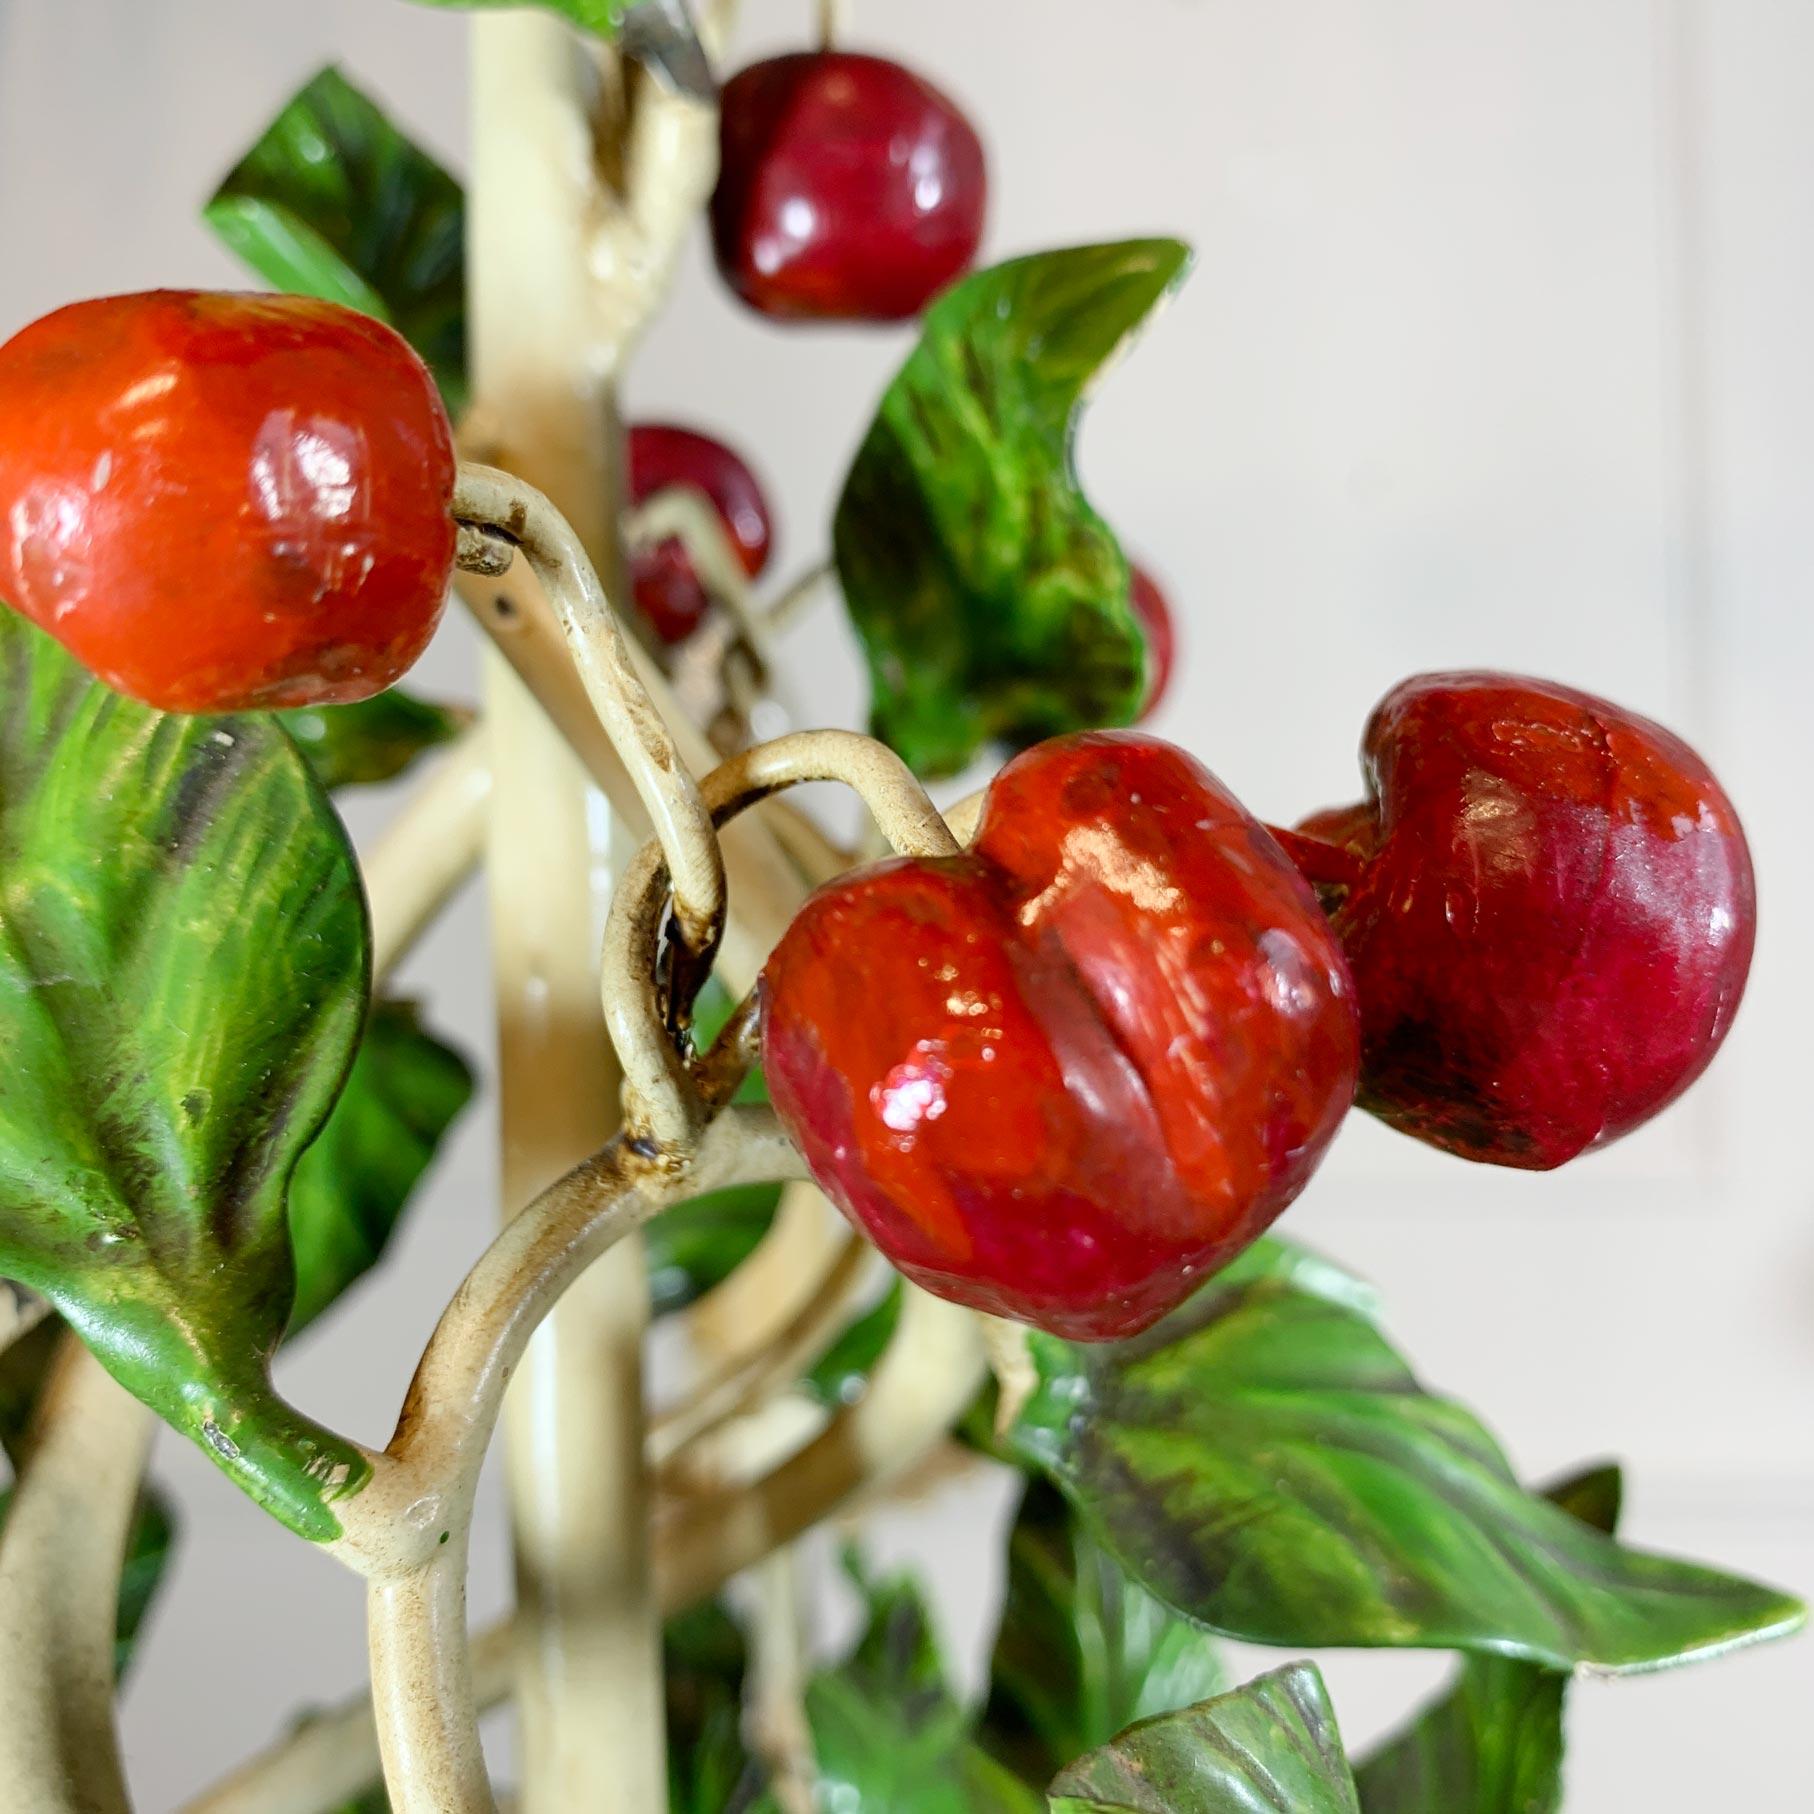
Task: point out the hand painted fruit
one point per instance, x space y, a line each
1155 614
668 591
850 189
224 502
1068 1075
1548 907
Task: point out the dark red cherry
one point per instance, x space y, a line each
667 590
850 189
1548 907
1067 1076
1155 614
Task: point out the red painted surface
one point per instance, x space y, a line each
667 590
222 502
850 189
1155 614
1068 1075
1548 907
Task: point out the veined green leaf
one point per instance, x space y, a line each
373 739
991 600
1083 1651
1270 1745
353 1183
1493 1744
888 1735
1266 1464
183 974
333 201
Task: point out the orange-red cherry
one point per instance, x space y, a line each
1068 1075
222 502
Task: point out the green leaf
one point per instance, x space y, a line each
704 1664
991 600
148 1547
1083 1651
182 981
333 201
1493 1744
352 1185
1266 1464
600 17
844 1368
373 740
888 1735
700 1243
1270 1745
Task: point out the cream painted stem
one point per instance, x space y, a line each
60 1557
588 1684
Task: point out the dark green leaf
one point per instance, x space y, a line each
333 201
182 980
353 1183
888 1735
705 1662
600 17
373 740
699 1244
1493 1744
148 1547
1266 1464
1083 1651
1272 1745
991 600
844 1368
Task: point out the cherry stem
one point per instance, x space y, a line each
1322 864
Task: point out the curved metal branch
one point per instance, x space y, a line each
60 1556
490 499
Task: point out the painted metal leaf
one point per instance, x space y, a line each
704 1662
183 959
889 1736
333 201
842 1371
374 740
1266 1464
698 1244
1273 1744
602 18
353 1183
991 600
1494 1743
1083 1652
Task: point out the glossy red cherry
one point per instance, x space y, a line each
668 591
1155 614
1068 1075
850 188
1548 907
225 502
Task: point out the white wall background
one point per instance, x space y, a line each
1495 354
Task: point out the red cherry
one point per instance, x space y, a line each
851 189
1155 615
1067 1076
1548 907
668 592
225 502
